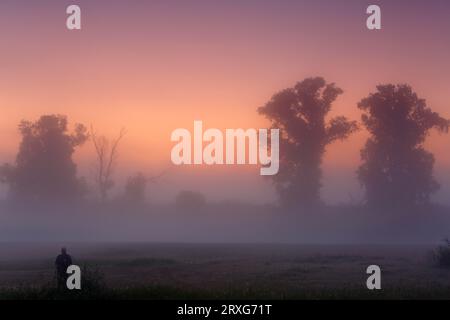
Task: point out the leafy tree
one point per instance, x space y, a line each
396 169
44 168
300 114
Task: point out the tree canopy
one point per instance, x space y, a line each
396 169
44 168
301 115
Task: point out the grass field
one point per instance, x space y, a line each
224 271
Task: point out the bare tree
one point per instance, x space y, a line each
106 151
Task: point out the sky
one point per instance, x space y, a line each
154 66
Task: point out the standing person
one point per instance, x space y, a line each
62 262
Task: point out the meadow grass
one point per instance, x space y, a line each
159 292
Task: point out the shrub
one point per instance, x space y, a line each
190 200
441 255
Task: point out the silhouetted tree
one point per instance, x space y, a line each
136 186
300 114
44 168
396 170
106 158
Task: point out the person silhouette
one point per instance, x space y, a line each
62 262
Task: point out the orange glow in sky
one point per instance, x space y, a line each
155 67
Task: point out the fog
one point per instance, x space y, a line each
134 68
225 222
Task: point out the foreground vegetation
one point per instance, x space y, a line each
95 288
194 271
173 293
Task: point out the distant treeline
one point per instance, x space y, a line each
395 171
